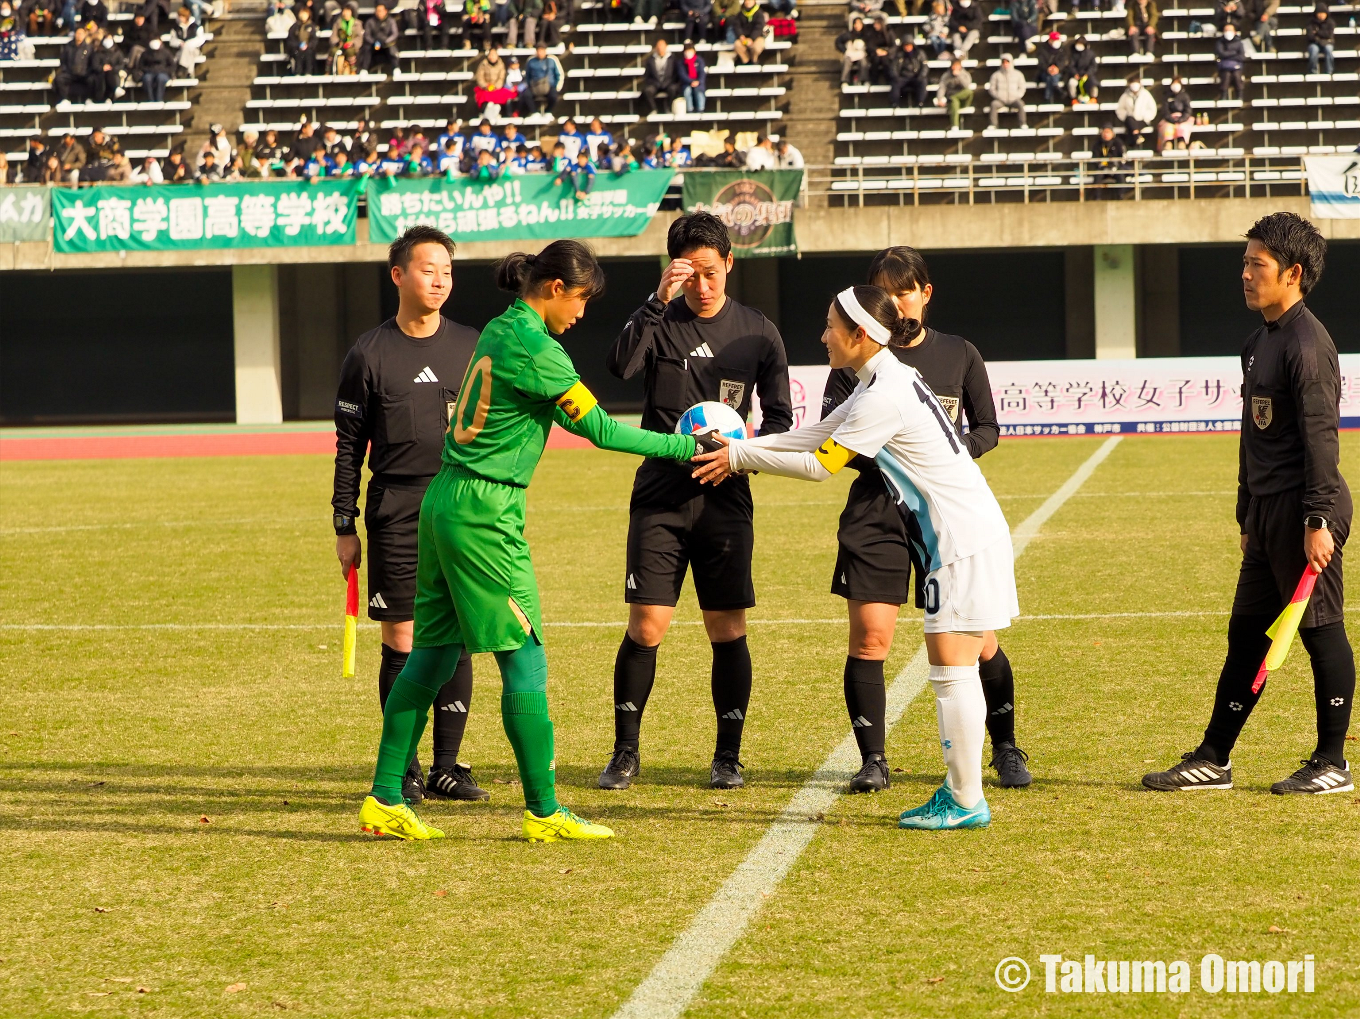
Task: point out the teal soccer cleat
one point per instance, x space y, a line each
941 812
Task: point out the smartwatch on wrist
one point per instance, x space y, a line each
343 524
1316 523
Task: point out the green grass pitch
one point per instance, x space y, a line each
178 801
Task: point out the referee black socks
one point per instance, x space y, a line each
1233 700
393 661
451 706
634 674
998 686
731 691
1333 687
866 700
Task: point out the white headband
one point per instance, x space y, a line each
872 327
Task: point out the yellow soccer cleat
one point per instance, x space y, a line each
400 821
562 825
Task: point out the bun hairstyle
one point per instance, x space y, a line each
567 260
879 305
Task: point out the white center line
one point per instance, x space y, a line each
688 963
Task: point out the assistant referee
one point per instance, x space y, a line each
1293 511
398 387
691 343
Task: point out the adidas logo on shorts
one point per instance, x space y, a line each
631 583
376 602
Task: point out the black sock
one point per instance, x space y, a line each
998 686
451 706
393 661
634 674
1333 687
731 691
1233 701
866 699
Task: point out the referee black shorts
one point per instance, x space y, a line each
711 533
1274 560
392 520
873 558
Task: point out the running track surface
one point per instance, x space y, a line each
194 444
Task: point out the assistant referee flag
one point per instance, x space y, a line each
351 621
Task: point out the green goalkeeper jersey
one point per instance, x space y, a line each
520 381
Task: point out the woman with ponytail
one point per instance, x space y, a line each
475 585
950 514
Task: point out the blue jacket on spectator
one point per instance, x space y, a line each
536 69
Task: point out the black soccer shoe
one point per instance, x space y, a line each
1317 777
1009 762
873 776
1191 773
726 773
454 783
622 768
413 783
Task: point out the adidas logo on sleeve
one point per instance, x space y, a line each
426 375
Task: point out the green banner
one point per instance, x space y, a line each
25 214
181 217
756 205
520 207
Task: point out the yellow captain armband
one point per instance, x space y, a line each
833 456
577 402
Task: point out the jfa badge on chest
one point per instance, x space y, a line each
731 393
1261 411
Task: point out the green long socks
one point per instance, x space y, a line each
524 713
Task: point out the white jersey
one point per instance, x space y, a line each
893 417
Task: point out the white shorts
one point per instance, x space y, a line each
973 594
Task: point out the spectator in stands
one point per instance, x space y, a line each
854 53
209 171
725 14
486 169
907 73
450 159
319 164
364 137
41 19
301 45
109 65
750 42
543 79
303 143
158 65
662 80
484 140
250 164
380 39
76 68
120 170
761 156
786 157
879 44
510 140
538 161
136 37
99 153
1050 59
1320 33
864 8
579 176
548 22
697 14
488 78
1109 150
596 137
954 90
416 163
1178 116
695 74
621 160
1025 22
617 10
678 156
476 22
149 172
1138 112
72 158
937 27
93 12
367 164
571 140
1229 10
441 15
270 154
1231 56
186 38
1265 22
1007 87
1083 81
965 27
647 11
347 38
730 158
334 141
52 172
559 159
1142 16
453 131
14 43
280 19
35 160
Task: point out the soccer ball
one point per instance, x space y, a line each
711 416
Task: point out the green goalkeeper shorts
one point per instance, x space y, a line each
475 583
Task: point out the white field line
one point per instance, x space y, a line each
688 963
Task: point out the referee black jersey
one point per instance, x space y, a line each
1291 391
394 403
684 360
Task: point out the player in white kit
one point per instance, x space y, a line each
952 517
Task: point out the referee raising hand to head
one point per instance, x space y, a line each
398 387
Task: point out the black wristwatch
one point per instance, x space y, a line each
343 524
1317 523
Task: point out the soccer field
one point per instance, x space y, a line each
182 766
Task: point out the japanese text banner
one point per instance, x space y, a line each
1080 397
523 206
25 214
250 214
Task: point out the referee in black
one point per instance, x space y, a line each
874 560
398 387
691 343
1293 510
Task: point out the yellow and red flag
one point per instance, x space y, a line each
351 621
1283 629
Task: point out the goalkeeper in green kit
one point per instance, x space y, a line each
475 585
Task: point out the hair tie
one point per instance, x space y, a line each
872 327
